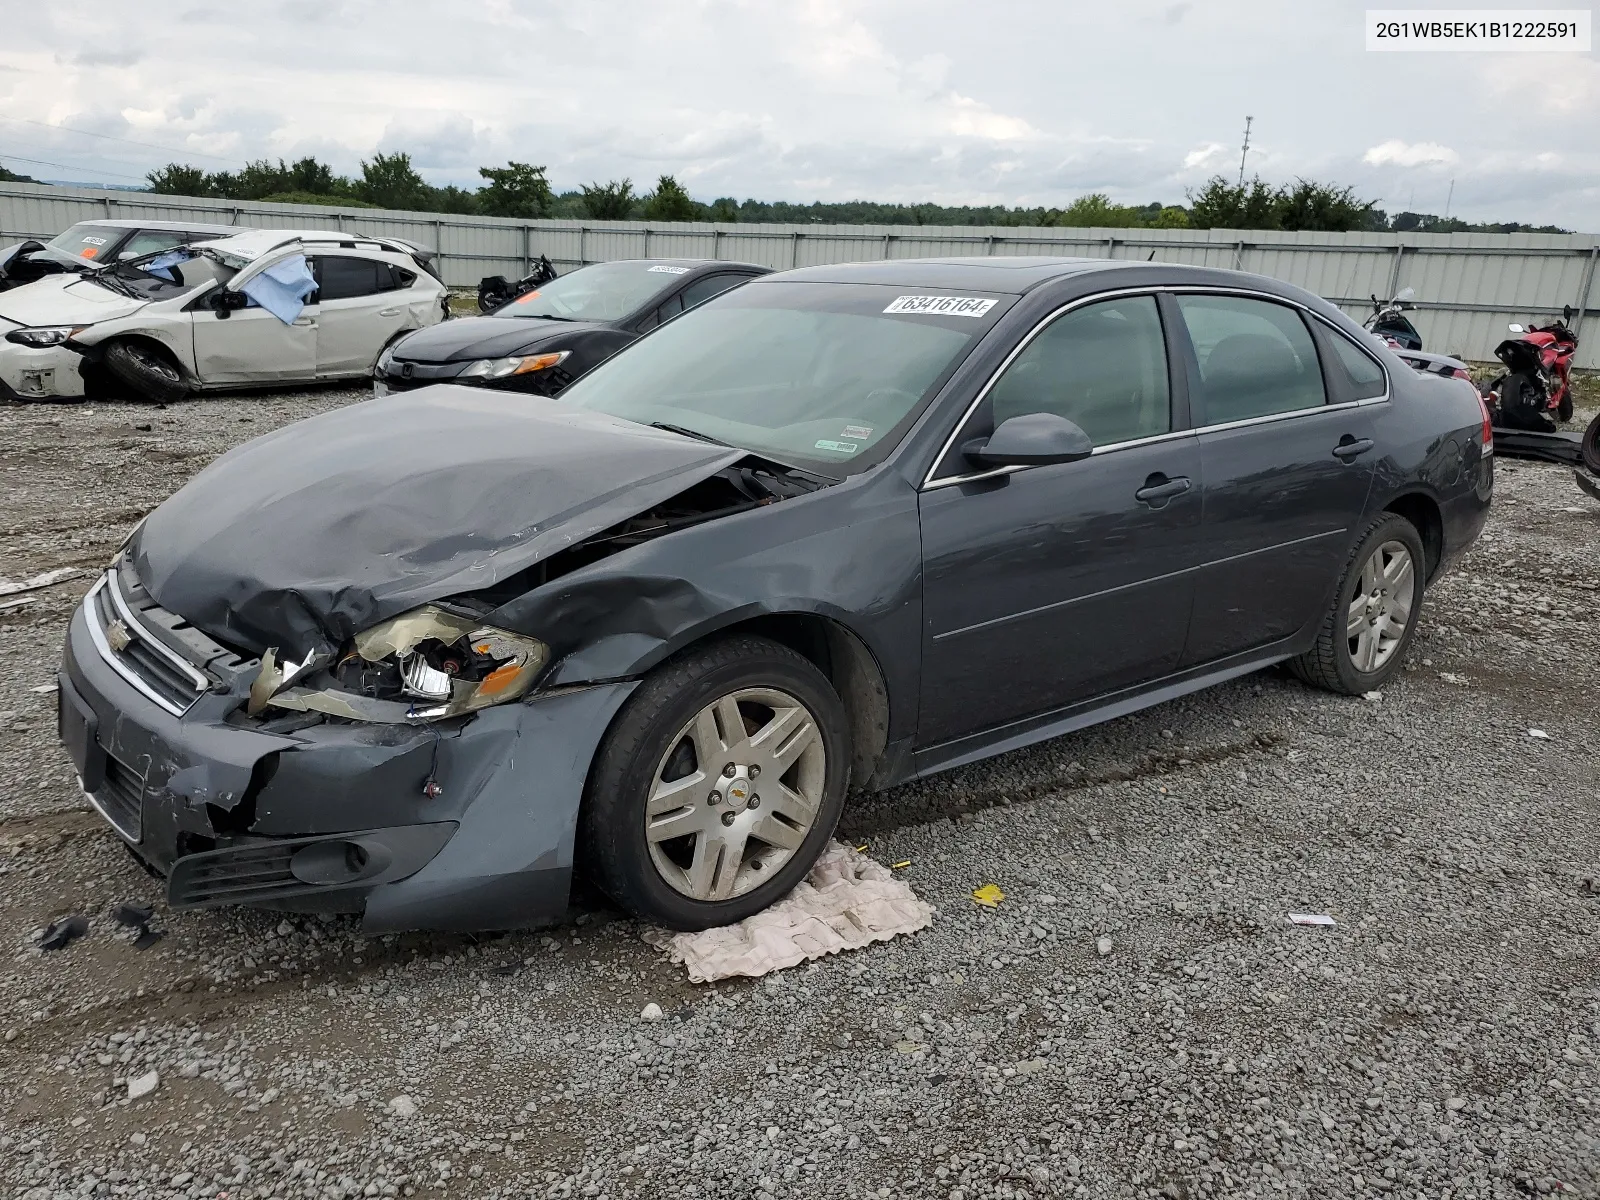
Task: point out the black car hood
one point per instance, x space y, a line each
466 338
306 536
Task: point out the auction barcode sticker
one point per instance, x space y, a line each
663 269
1536 31
941 306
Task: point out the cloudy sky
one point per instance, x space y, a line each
1006 101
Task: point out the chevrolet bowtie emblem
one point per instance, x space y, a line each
117 636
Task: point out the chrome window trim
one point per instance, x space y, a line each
97 635
929 483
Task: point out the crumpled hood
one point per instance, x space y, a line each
306 536
463 339
65 299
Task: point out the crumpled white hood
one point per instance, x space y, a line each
65 300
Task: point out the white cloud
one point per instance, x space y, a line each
1395 153
1210 155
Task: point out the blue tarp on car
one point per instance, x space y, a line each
282 288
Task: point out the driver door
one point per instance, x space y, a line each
250 345
1047 586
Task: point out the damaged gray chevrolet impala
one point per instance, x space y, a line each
424 657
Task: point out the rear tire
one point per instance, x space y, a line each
1373 619
1589 446
150 372
651 835
1564 407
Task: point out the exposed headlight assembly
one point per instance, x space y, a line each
423 665
502 368
44 335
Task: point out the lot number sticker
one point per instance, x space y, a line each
941 306
669 270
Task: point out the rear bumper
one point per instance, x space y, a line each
334 816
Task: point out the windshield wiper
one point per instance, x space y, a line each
687 432
115 283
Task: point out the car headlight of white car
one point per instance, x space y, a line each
424 665
501 368
44 335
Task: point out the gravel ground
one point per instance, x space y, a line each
1137 1018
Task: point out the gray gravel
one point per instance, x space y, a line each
1137 1018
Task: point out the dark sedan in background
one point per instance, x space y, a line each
833 530
542 340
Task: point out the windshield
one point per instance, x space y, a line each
87 241
600 292
163 276
818 375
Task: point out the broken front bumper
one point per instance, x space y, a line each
331 816
40 372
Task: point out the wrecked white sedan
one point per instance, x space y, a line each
268 307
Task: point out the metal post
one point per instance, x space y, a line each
583 237
1583 291
886 238
1238 256
988 245
794 249
646 241
1111 247
438 246
527 249
716 243
106 201
1394 270
338 221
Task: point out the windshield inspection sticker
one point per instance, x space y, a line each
857 431
94 241
665 270
838 447
941 306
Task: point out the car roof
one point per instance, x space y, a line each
1009 274
181 226
254 243
692 263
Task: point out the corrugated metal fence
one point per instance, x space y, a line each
1469 286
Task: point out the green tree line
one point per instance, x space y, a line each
522 190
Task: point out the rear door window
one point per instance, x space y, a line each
1357 373
342 278
1103 366
1256 358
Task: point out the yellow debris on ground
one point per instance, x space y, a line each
988 895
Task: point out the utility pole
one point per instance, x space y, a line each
1244 151
1448 198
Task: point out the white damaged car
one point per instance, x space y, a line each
268 307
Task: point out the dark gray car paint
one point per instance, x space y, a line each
851 555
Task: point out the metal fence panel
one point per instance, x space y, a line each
1469 285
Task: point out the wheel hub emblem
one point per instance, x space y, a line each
738 793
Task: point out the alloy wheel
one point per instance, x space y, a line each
736 793
1380 610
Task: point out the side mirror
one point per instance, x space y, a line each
229 301
1033 439
1406 293
1566 314
1515 328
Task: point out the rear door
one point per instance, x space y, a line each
1287 471
360 309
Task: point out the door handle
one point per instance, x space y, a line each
312 321
389 312
1350 448
1158 489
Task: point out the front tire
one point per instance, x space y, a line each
1373 619
148 371
718 785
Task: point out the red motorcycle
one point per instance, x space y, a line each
1537 381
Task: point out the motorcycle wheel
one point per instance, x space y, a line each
1589 446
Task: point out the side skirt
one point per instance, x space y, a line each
1043 726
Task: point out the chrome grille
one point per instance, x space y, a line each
124 639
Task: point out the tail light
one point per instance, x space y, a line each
1486 435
